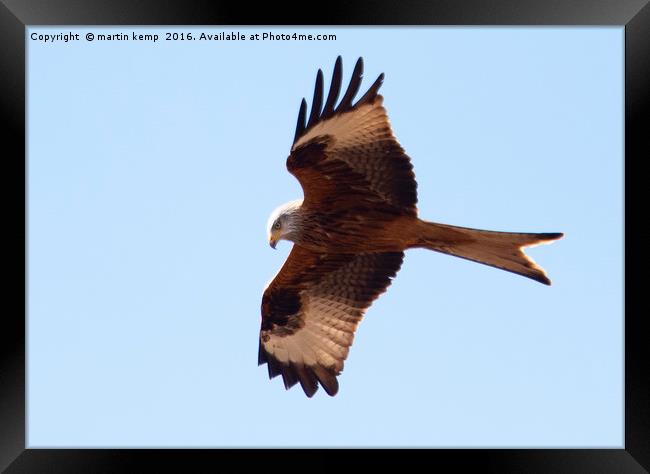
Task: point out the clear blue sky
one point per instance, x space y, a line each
152 169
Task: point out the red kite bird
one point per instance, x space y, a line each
350 231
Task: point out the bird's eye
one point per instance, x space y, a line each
276 225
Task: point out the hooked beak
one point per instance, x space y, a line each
272 242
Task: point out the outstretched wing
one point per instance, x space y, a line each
349 151
311 310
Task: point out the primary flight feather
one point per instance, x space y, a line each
350 231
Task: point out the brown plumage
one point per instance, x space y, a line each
350 231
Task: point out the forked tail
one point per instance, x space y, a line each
502 250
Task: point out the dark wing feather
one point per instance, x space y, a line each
311 310
335 88
357 136
300 125
371 93
353 88
317 100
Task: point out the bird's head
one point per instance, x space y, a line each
284 222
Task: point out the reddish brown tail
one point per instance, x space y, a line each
502 250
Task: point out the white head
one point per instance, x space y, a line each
284 222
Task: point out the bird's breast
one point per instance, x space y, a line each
354 230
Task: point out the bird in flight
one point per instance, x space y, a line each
349 234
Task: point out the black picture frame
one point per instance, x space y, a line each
634 15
